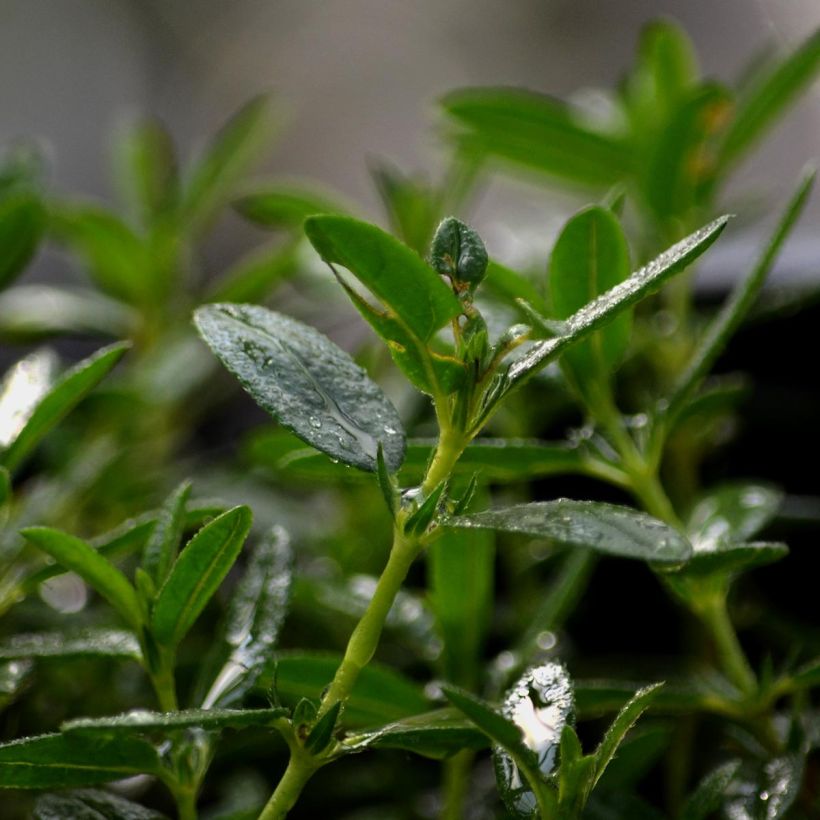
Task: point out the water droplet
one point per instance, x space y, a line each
315 422
546 640
505 661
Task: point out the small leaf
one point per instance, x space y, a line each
605 528
111 643
729 559
709 795
66 393
142 722
419 520
91 804
77 556
161 549
499 728
458 251
22 222
280 206
307 383
197 573
322 733
58 761
387 485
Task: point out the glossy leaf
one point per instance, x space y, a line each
729 559
255 615
142 722
539 133
307 383
111 643
22 221
77 556
161 549
197 573
606 307
282 206
91 804
381 695
605 528
709 794
590 257
66 393
60 761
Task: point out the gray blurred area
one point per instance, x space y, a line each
356 79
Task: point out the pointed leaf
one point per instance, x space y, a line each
605 528
709 795
73 386
77 556
307 383
91 804
322 733
161 549
498 727
57 761
112 643
418 521
197 573
283 206
730 559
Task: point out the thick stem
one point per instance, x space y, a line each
732 658
186 804
300 769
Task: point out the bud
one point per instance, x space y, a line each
458 252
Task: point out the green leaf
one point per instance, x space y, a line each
255 275
111 643
197 573
437 735
618 729
322 733
419 520
76 555
605 528
58 761
5 489
457 251
499 728
380 695
307 383
91 804
590 257
729 318
22 222
387 484
709 795
606 307
509 285
66 393
765 791
142 722
597 697
225 159
729 559
771 94
161 549
256 613
284 206
539 133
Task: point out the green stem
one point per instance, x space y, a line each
715 616
456 784
186 804
450 447
300 769
165 686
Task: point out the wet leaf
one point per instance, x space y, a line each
161 549
307 383
57 761
66 393
709 795
197 573
91 804
282 206
729 559
764 791
605 528
112 643
77 556
458 251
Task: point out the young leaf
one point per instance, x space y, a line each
161 549
61 761
729 559
91 804
709 795
307 383
22 221
418 521
73 386
457 251
255 616
322 733
79 557
590 257
281 206
605 528
197 574
111 643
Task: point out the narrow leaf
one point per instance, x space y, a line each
322 733
709 795
197 573
499 728
111 643
91 804
161 549
282 206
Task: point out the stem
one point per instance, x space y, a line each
165 686
456 784
300 769
450 447
732 658
186 804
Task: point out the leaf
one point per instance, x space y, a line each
283 206
90 804
421 518
709 794
765 791
498 727
457 251
437 735
618 729
5 489
605 528
730 316
380 695
143 722
509 285
255 275
606 307
161 549
256 612
197 573
58 761
729 559
225 159
322 733
77 556
112 643
537 132
769 97
66 393
590 257
307 383
22 221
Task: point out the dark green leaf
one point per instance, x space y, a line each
22 221
142 722
161 549
90 804
89 643
77 556
57 761
66 393
322 733
729 559
418 521
307 383
197 573
499 728
595 698
279 206
605 528
458 251
709 795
